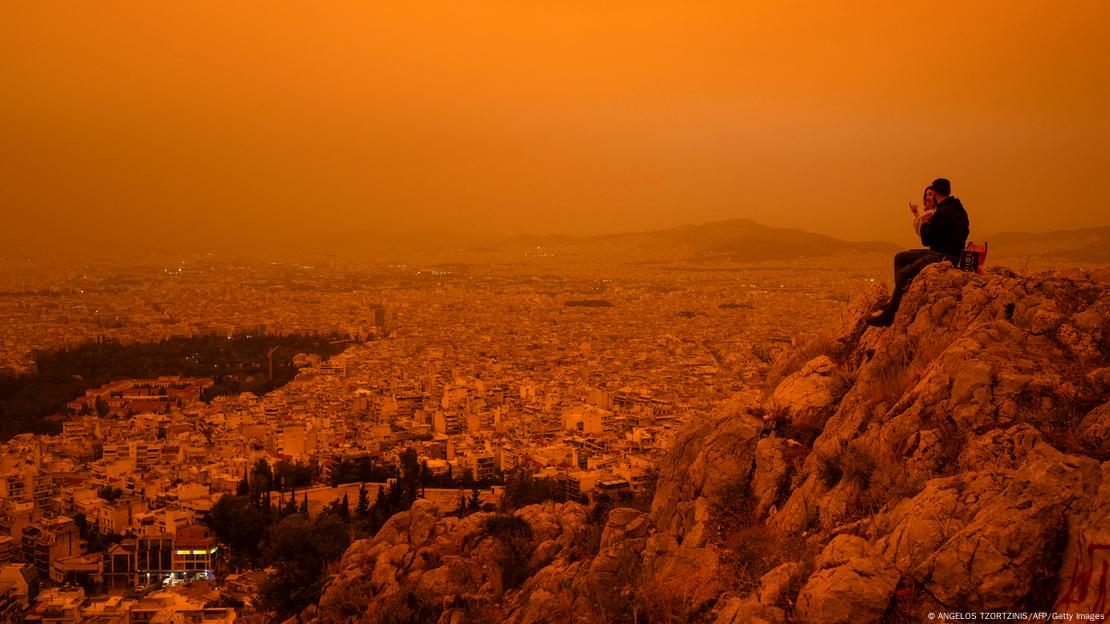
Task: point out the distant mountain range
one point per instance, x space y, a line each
736 239
741 240
746 240
1084 245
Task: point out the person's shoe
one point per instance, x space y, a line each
881 319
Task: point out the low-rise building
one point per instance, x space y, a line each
48 540
166 607
22 581
10 613
77 568
8 549
57 606
160 559
194 553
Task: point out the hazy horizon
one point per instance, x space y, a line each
135 127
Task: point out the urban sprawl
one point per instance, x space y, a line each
574 369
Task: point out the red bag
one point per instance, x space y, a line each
973 257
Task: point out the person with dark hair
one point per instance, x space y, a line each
929 206
943 232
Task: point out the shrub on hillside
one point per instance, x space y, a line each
514 547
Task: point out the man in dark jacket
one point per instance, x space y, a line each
944 232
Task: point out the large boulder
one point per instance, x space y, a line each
1094 429
773 471
709 457
854 591
748 611
808 397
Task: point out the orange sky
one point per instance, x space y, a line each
227 123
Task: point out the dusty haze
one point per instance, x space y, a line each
253 125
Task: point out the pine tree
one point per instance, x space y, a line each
345 508
291 506
363 506
263 476
304 504
380 511
396 497
475 503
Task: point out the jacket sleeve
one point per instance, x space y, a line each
941 226
918 221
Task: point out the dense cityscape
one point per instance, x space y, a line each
576 373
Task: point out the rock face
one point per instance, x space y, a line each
849 586
955 461
807 397
448 563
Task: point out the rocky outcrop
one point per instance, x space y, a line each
444 560
849 585
980 448
707 458
955 461
806 398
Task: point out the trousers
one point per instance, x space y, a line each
907 264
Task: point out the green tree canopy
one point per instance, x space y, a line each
299 550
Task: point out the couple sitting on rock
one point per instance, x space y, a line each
943 226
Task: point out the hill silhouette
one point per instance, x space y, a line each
1082 245
735 239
